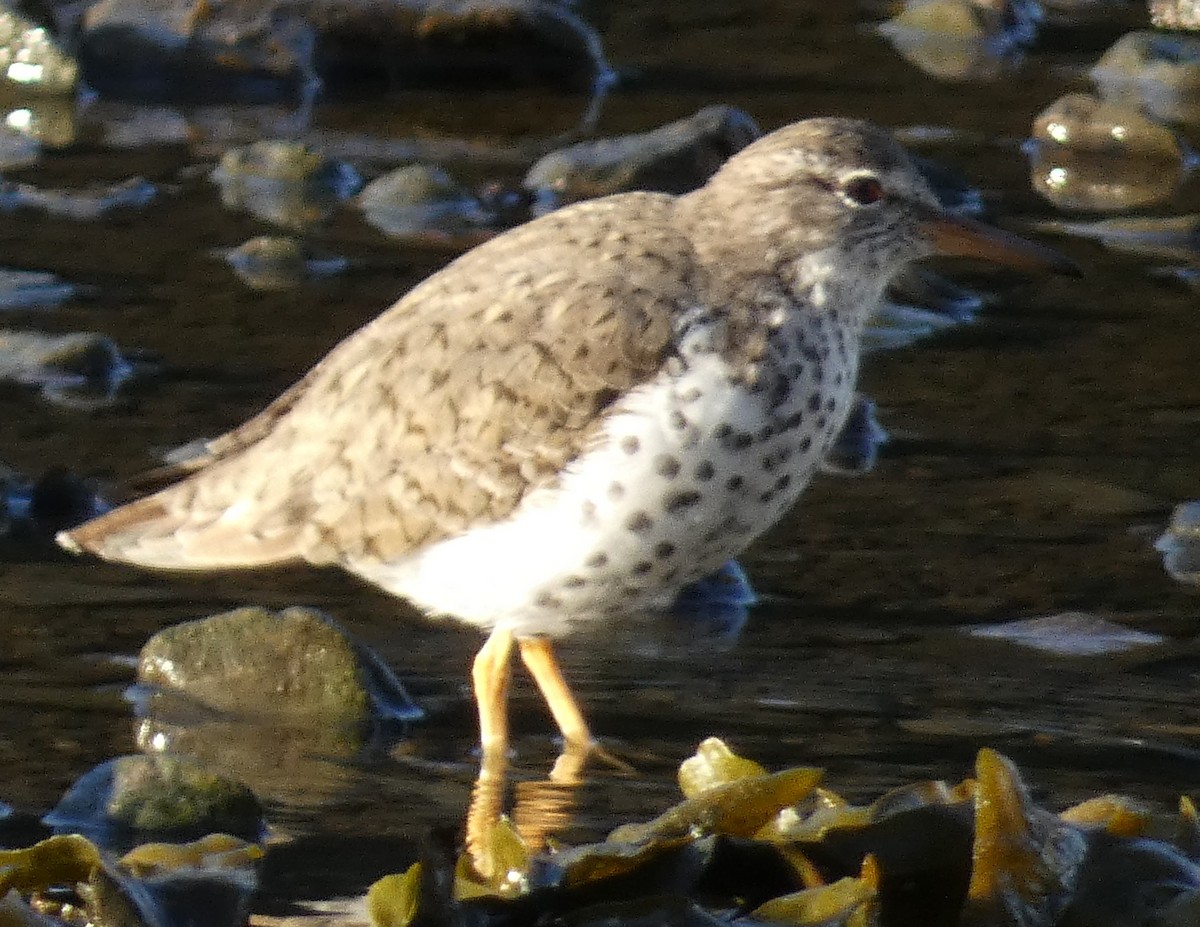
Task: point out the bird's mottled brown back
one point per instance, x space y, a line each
481 383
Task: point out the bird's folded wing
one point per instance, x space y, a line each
479 385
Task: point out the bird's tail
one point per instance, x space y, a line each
160 533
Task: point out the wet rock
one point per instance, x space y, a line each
85 204
169 795
80 371
1131 882
251 51
1158 72
1026 862
292 664
848 902
856 449
287 183
1071 634
67 880
675 158
1175 14
272 262
714 765
1091 154
30 59
208 883
962 40
980 853
32 289
1180 544
422 200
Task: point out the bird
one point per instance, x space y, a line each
582 415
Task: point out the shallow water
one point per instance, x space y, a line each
1035 456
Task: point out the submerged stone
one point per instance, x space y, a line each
422 199
287 183
85 204
32 289
1156 71
1175 14
82 370
292 664
674 158
962 40
254 51
274 262
1180 544
1086 153
1070 634
170 795
31 59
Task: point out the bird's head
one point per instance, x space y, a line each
840 196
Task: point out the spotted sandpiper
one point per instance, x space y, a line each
582 415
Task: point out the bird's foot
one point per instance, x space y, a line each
568 768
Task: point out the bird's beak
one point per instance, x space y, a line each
956 236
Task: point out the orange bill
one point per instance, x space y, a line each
957 236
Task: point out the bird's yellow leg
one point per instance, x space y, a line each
538 655
490 675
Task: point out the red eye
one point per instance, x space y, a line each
863 189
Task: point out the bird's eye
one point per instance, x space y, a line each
862 189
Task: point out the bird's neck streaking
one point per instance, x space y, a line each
759 312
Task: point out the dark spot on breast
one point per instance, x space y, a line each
723 431
734 483
767 431
597 561
737 441
677 502
588 511
667 465
806 445
639 522
574 582
546 600
642 567
705 471
630 444
814 402
678 420
616 490
822 422
664 550
830 404
783 482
